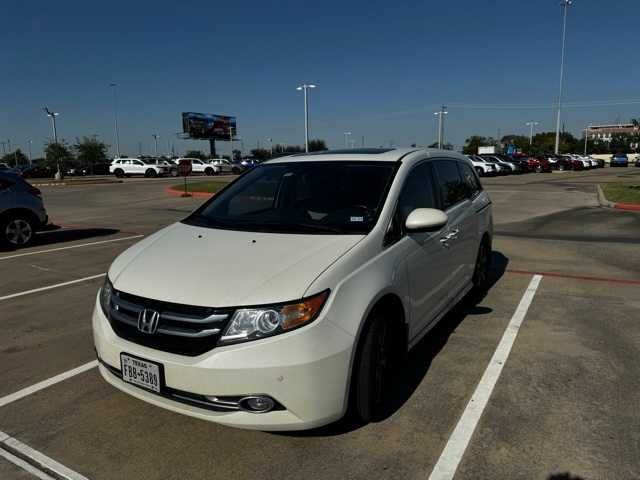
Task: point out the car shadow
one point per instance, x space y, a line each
564 476
54 235
419 360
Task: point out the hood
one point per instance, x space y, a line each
222 268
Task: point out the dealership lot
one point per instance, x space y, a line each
565 400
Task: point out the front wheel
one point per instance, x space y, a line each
17 231
150 173
119 173
374 369
209 171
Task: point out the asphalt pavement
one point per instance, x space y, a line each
563 405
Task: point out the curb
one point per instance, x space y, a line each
631 207
71 184
178 193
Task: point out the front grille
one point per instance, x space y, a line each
182 329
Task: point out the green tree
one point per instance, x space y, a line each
15 158
58 154
545 142
317 145
261 154
472 143
90 151
195 154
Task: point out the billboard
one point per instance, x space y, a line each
206 126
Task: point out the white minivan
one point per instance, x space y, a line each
289 297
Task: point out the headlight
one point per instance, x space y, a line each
105 296
259 322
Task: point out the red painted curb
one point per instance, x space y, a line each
576 277
633 207
178 193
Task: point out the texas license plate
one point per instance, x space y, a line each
140 372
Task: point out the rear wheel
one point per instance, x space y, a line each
119 172
150 173
481 271
17 230
480 171
209 171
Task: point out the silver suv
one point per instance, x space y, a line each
22 212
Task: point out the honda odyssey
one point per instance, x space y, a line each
286 300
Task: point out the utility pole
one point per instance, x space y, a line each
139 149
53 116
531 125
271 146
362 141
29 142
565 7
305 87
4 152
440 115
586 136
115 117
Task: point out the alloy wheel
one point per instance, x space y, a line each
18 232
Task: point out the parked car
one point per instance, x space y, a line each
170 165
226 166
200 166
619 160
506 167
483 168
599 162
248 163
39 171
637 162
332 268
22 211
122 167
7 169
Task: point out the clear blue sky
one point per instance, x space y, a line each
381 67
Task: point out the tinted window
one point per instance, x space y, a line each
470 180
417 192
452 187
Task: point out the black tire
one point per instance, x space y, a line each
17 230
480 172
480 277
538 169
150 173
374 369
174 172
209 171
118 172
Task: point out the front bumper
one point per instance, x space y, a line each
306 371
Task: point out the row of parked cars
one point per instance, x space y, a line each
500 164
155 167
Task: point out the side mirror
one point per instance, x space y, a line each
425 219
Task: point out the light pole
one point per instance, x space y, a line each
531 125
115 116
29 142
4 152
53 116
586 136
271 146
346 139
155 138
440 115
304 87
565 4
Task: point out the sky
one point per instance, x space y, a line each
382 68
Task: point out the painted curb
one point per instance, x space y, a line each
630 207
178 193
72 184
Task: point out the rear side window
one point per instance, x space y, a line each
450 183
470 180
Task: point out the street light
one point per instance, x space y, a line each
346 139
155 138
304 87
115 116
53 116
586 136
271 146
531 125
440 115
565 4
29 142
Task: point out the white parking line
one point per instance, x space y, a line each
452 454
36 459
70 247
24 465
49 287
6 400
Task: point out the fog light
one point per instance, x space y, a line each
257 404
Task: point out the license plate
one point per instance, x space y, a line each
140 372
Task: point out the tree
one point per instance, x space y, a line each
545 142
472 143
195 154
15 158
317 145
90 151
261 154
58 154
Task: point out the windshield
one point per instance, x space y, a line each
301 197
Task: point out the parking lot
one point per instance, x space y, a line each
565 394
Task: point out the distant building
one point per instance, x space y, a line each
604 133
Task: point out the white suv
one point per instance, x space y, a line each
334 265
483 168
122 167
198 166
